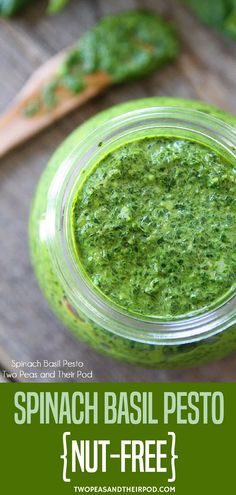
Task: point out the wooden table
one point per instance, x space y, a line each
205 70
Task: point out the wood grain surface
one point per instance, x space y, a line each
206 70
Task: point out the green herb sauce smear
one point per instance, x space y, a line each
123 46
155 227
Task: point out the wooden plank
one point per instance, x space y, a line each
206 70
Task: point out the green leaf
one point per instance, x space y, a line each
56 5
11 7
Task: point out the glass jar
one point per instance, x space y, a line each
141 340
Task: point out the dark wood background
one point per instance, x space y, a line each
206 70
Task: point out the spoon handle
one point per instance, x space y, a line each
16 127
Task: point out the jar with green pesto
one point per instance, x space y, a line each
133 232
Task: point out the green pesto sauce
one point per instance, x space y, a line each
155 226
124 46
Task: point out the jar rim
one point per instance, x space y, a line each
83 296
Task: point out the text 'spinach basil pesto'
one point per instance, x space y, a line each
133 232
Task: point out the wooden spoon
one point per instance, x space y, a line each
16 128
47 93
